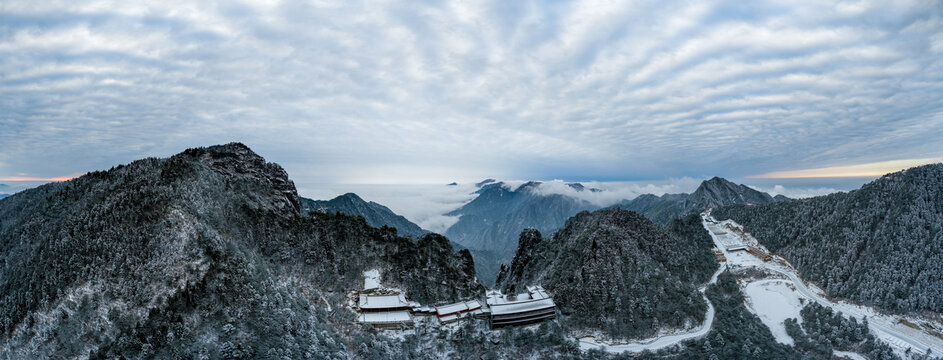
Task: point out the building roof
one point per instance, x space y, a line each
520 321
533 293
386 317
537 292
473 304
392 301
449 318
521 306
451 309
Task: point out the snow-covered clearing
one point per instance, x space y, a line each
371 279
886 327
774 301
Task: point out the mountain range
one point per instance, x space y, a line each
376 215
713 193
489 225
211 253
492 220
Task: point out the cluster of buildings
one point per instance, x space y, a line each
389 309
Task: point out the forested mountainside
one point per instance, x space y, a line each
376 214
203 254
712 193
881 244
493 220
616 271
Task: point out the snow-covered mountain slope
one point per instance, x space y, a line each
880 245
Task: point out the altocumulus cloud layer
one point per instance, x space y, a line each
435 91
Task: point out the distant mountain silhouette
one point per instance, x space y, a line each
712 193
376 214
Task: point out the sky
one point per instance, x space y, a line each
414 92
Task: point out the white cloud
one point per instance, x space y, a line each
421 204
390 92
426 204
616 191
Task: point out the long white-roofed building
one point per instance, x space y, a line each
387 319
534 306
384 302
383 307
452 312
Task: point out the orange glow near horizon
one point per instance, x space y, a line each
20 178
862 170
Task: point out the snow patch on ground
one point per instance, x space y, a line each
774 301
371 279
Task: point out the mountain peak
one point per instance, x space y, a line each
530 185
718 191
712 193
485 182
718 181
232 159
237 161
351 196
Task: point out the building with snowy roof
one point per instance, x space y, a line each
534 306
389 311
387 319
453 312
384 302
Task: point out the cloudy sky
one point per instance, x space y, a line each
342 92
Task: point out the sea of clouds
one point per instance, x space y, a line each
426 204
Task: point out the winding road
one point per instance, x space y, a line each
882 326
662 341
882 329
873 325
